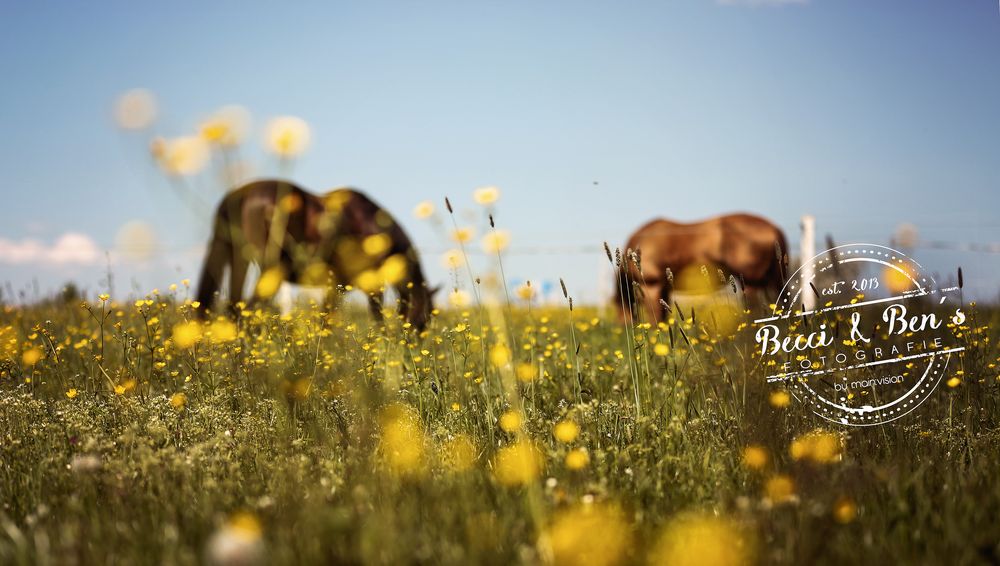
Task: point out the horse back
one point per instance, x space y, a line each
664 244
741 243
358 216
749 246
250 210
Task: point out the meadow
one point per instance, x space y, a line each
507 432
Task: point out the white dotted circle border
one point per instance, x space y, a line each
862 416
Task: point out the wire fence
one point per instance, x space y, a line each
992 248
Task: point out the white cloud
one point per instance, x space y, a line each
71 248
761 2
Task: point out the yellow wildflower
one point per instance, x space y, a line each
755 457
402 441
525 291
287 136
526 372
423 210
227 127
462 235
587 535
185 155
31 356
459 298
394 269
500 355
452 259
818 446
701 539
187 334
845 510
376 244
510 421
577 459
518 464
496 241
566 431
178 401
222 330
486 195
269 282
780 399
779 488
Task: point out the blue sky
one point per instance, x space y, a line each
863 114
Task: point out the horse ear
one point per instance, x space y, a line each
434 290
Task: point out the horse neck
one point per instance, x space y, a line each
416 273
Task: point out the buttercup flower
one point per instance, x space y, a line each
588 535
518 464
187 334
510 421
577 459
462 235
423 210
496 241
452 259
700 539
818 446
227 127
459 298
181 156
486 195
780 399
525 291
755 457
566 431
779 488
287 136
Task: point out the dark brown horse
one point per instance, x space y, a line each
340 238
747 247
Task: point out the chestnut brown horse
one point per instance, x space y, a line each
663 253
340 238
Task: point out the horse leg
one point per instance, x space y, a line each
770 295
331 299
665 304
652 291
758 297
404 302
375 308
237 278
256 298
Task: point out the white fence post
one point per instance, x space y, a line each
807 249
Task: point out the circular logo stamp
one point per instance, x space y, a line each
860 334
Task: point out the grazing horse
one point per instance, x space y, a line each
747 247
342 237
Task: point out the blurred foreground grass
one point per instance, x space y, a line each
131 434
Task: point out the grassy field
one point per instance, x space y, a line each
133 435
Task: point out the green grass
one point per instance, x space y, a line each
336 438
